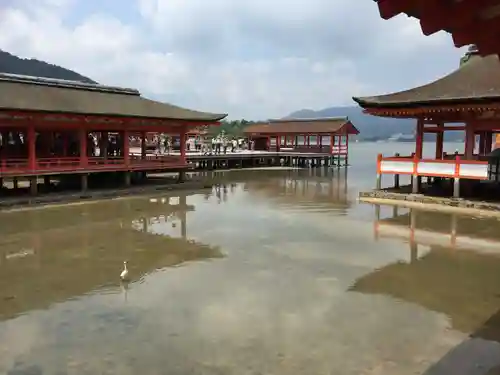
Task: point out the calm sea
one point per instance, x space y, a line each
269 272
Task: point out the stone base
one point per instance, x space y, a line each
425 202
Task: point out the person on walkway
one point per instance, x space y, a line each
225 144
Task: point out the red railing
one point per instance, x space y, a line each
455 167
91 164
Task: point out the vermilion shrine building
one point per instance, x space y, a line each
323 135
468 99
52 127
468 21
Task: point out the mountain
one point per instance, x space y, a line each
371 128
32 67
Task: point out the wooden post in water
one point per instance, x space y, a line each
378 185
456 178
396 176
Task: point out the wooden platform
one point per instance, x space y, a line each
248 159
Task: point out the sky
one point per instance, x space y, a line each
253 59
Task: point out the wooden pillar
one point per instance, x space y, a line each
183 145
33 185
415 178
82 137
105 145
182 174
419 137
84 182
488 142
346 148
143 145
470 138
31 135
456 179
127 178
439 140
126 147
378 185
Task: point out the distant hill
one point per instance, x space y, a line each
32 67
371 128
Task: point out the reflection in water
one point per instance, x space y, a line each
457 274
278 300
54 254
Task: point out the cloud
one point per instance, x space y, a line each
253 59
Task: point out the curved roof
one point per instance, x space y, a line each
476 81
302 126
57 96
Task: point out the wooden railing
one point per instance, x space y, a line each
335 150
20 166
456 167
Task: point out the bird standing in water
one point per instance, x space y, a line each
124 274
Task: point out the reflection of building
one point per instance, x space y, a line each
438 229
319 186
57 253
447 279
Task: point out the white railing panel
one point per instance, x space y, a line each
436 168
396 166
474 170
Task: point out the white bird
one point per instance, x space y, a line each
124 274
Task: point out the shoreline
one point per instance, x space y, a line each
163 183
97 195
426 203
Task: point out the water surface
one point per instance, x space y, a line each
269 272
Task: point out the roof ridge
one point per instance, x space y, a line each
309 119
65 83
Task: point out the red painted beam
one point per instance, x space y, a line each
391 8
87 119
440 15
483 34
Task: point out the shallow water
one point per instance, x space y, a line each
269 272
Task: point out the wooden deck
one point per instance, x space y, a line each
13 167
65 165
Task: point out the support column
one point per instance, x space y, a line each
488 142
84 178
378 185
127 178
439 140
456 179
346 149
82 137
143 145
104 144
470 138
182 174
419 137
31 135
126 147
33 185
